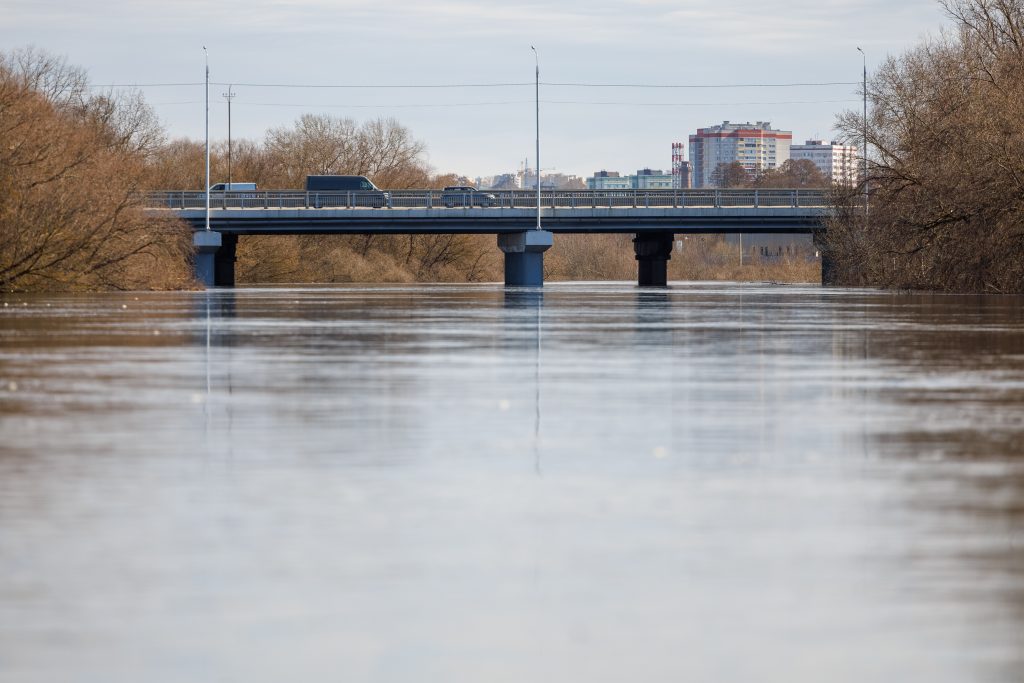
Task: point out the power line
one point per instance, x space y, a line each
695 104
388 106
384 86
414 86
314 86
716 85
96 86
512 102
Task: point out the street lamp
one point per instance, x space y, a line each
229 96
206 59
864 160
536 59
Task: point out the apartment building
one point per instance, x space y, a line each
840 163
755 146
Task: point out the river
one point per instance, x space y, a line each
713 482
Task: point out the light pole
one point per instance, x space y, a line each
206 59
536 59
864 154
229 96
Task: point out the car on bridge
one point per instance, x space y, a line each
231 195
358 191
466 195
233 187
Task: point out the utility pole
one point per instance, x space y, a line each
229 96
537 98
206 58
864 160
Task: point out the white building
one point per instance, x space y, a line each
756 146
608 180
645 179
840 163
648 179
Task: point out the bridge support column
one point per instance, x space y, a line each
653 250
828 266
524 256
207 243
224 262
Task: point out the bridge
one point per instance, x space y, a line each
653 216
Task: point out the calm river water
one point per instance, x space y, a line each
455 483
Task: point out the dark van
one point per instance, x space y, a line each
365 193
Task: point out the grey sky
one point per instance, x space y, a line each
481 131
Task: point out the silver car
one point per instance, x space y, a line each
467 196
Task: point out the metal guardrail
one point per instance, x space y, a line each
517 199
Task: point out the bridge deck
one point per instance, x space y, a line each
484 221
686 211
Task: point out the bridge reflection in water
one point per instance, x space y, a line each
654 217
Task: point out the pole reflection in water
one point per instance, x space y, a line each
217 310
529 300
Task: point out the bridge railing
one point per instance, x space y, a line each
492 199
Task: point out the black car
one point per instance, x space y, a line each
466 195
360 191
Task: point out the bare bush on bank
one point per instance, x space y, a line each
946 173
696 257
72 173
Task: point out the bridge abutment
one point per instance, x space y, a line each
653 251
524 256
207 243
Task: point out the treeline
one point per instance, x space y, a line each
702 257
793 173
73 166
945 186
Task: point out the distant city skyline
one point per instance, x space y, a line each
281 58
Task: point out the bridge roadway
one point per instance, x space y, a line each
654 217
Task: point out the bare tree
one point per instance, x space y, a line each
730 175
71 176
946 171
793 173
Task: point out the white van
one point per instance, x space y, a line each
233 187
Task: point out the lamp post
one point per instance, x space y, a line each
206 58
229 96
864 154
536 59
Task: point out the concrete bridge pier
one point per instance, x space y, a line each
653 250
215 258
224 262
828 267
524 256
207 244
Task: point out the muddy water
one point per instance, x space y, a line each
447 483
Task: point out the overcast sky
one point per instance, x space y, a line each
485 130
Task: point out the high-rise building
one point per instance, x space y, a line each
838 162
755 146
